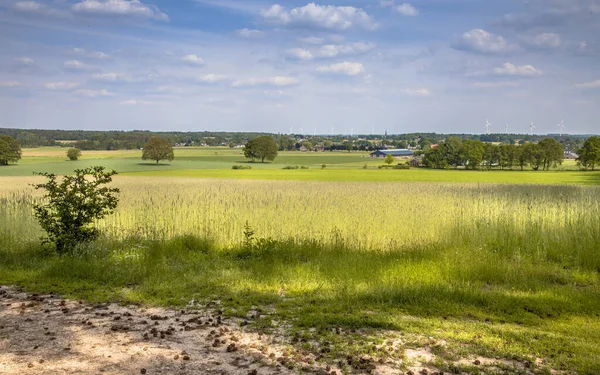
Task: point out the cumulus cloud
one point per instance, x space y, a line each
75 65
416 92
10 83
249 33
133 8
545 40
133 102
266 81
345 68
30 6
589 85
300 54
331 50
319 16
193 60
407 10
60 86
91 54
24 61
311 40
508 69
93 93
111 77
481 41
212 78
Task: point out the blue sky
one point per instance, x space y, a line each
326 66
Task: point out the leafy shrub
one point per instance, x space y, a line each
303 167
323 166
241 167
402 166
72 205
74 154
291 167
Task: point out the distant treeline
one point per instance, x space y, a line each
474 154
136 139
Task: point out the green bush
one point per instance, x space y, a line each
241 167
74 154
303 167
291 167
72 205
402 166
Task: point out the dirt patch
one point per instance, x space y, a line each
45 334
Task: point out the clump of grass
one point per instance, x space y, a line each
241 167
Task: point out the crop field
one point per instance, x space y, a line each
498 264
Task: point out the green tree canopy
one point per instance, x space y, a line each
389 159
10 151
74 154
158 149
472 153
261 148
553 153
589 154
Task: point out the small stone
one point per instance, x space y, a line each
186 357
143 371
477 362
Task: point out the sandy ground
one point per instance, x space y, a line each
46 334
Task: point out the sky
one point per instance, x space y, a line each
330 66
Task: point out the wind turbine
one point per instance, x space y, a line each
291 130
506 125
562 127
531 127
487 127
301 130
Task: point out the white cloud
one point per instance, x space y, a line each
58 86
93 93
589 85
212 78
545 40
509 69
111 77
478 40
331 50
416 92
249 33
91 54
319 16
311 40
407 10
193 60
300 53
29 6
24 61
10 83
346 68
75 65
134 8
132 102
387 3
268 81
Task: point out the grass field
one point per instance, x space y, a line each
484 262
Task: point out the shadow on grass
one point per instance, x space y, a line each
154 164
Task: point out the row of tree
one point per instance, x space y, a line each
475 154
589 154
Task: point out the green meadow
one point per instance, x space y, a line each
498 264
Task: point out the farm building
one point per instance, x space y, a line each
395 153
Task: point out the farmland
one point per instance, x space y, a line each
499 264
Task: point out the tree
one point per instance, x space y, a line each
589 154
472 153
532 153
552 153
436 158
262 148
74 154
389 159
71 206
10 151
158 149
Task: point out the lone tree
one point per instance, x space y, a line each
589 154
70 207
74 154
389 159
261 148
10 151
158 149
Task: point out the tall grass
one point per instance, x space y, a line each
524 258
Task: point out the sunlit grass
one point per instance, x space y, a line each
498 270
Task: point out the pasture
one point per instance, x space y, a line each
499 264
